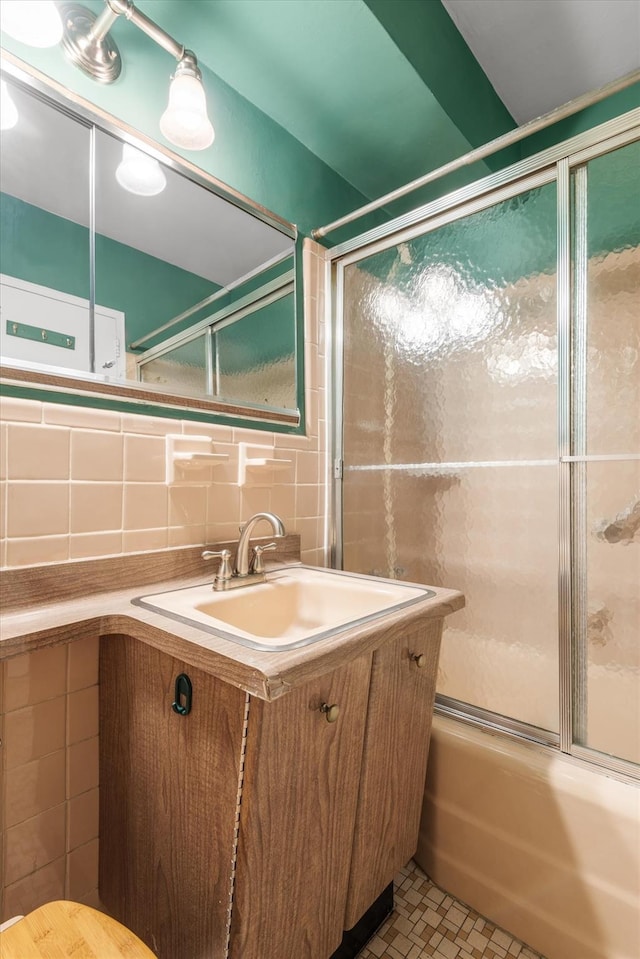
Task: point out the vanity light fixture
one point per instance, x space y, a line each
34 22
139 173
87 44
8 109
185 120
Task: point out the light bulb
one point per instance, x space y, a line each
9 111
139 173
34 22
185 122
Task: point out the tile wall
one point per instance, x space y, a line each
50 776
78 483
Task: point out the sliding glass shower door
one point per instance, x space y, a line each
450 359
475 390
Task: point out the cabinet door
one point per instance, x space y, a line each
296 819
394 763
168 793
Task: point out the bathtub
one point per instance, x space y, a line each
544 846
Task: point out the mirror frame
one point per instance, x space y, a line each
92 390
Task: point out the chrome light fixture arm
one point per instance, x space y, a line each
127 9
87 43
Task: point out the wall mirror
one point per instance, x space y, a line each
129 275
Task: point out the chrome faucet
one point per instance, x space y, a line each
243 566
245 572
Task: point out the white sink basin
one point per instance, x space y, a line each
296 605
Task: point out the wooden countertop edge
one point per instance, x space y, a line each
267 675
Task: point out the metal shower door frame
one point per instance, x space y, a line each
555 164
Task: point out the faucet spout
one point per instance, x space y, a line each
242 555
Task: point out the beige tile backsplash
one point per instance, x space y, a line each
78 483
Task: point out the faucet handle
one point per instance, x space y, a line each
225 572
257 566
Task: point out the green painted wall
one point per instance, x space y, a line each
607 109
148 290
42 248
431 42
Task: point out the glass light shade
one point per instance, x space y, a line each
34 22
139 173
8 109
185 122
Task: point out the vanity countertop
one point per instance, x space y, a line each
60 603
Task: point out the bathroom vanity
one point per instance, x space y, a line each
261 813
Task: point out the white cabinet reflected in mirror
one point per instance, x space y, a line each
126 273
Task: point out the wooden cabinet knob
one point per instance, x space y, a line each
419 659
331 713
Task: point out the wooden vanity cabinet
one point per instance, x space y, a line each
242 804
168 793
394 763
243 828
297 817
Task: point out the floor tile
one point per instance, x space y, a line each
428 923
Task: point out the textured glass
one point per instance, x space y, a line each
256 356
471 528
183 370
608 540
459 328
613 608
613 302
450 375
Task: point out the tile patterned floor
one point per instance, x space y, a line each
427 922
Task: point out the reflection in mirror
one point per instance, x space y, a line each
44 236
248 352
154 280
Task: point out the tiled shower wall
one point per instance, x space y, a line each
78 483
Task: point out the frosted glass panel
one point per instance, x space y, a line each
471 528
613 608
613 302
457 329
183 370
450 441
256 356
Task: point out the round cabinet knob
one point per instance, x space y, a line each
419 659
331 713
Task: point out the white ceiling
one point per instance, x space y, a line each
539 54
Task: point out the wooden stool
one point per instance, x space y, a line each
60 929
